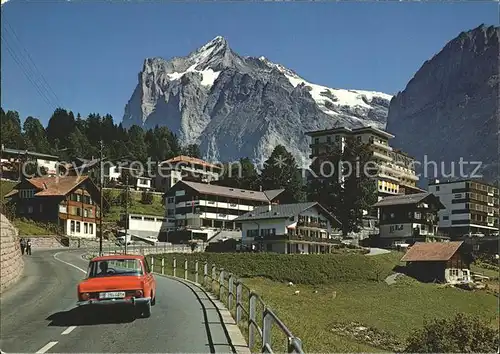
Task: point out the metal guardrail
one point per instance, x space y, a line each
141 250
240 300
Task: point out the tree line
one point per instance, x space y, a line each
71 137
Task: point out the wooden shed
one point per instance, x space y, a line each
446 262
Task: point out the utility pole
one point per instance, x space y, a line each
126 212
101 178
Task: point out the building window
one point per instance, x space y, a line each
171 200
437 188
77 226
418 215
85 213
91 229
328 139
78 211
41 208
30 209
316 140
86 228
446 217
72 226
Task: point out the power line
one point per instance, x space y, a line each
25 72
50 90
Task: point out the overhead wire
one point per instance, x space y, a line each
30 59
42 88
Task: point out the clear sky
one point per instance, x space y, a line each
90 53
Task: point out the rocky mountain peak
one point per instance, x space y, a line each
236 106
453 98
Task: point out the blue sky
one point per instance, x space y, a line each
90 53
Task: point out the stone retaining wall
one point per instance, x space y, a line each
11 262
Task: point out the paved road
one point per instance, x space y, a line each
377 251
38 315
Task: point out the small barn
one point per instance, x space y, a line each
445 262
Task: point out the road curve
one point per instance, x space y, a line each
37 315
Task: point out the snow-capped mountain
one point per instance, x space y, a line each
236 106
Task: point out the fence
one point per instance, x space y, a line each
141 250
244 304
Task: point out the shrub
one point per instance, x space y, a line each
461 334
147 197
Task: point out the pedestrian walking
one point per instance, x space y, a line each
23 245
28 247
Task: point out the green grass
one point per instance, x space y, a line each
5 187
31 228
342 289
486 270
301 269
156 208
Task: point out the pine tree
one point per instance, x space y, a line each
281 171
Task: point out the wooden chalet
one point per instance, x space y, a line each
445 262
71 202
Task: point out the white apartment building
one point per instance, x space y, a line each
396 168
289 228
207 209
175 169
472 207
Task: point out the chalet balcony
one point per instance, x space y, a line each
379 156
382 146
319 225
275 237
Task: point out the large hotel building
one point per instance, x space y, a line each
396 172
472 207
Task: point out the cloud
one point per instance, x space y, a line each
4 1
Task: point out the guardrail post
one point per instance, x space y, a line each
175 267
230 292
239 288
252 304
266 330
152 264
294 345
196 272
214 275
221 283
163 266
185 269
205 273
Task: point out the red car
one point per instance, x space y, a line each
119 280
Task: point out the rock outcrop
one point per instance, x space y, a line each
451 107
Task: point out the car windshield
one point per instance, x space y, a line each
112 267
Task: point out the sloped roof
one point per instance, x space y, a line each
29 153
52 186
273 193
56 186
213 189
431 251
282 211
405 199
190 160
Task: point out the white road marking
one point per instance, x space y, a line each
46 347
68 330
72 265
